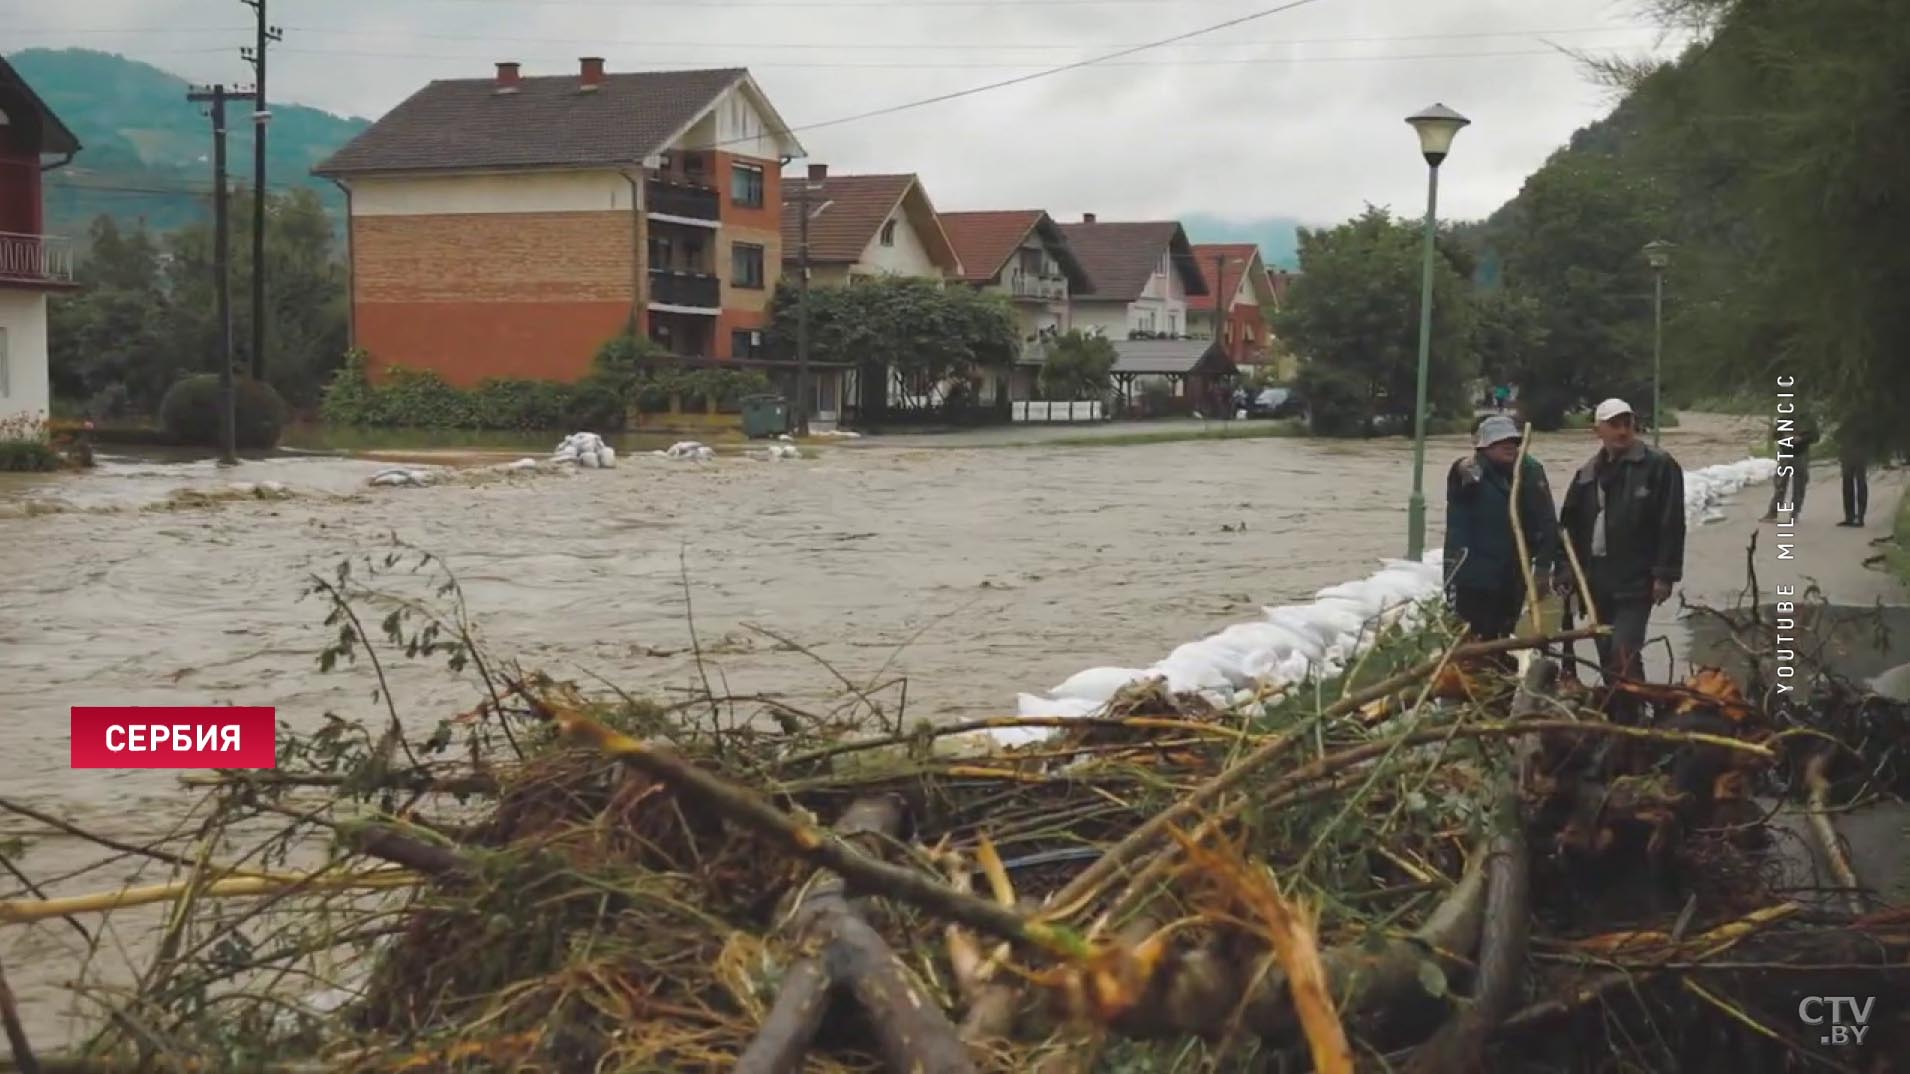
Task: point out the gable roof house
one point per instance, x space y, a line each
1022 255
508 226
33 264
1142 275
1236 269
862 226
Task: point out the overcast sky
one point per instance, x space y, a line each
1297 114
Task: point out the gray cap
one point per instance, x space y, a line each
1494 429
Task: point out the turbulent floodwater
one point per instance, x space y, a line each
974 572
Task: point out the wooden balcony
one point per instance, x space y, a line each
35 259
685 200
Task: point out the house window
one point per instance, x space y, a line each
888 233
745 343
746 186
660 252
746 265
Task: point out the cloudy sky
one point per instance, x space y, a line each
1295 114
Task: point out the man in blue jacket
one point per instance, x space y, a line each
1485 581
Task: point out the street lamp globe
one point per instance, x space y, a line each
1437 126
1658 253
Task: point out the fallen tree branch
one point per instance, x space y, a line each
20 911
23 1059
1826 833
842 950
1064 902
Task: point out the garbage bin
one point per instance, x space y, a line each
765 415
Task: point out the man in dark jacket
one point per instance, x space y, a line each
1485 582
1625 516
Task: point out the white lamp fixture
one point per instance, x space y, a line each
1437 126
1658 253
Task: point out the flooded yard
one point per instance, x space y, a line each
975 572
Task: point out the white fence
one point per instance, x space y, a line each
1044 411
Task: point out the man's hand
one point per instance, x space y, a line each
1562 583
1660 591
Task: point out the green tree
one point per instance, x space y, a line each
1574 247
1077 366
915 329
1353 312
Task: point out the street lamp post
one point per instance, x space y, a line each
1437 125
1658 256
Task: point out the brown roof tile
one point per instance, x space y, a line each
466 123
1239 257
986 240
1120 257
846 211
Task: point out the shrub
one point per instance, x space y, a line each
1338 402
23 445
190 412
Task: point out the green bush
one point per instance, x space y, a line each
1338 402
18 456
627 372
190 412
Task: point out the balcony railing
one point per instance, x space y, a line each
1043 288
35 258
681 199
692 289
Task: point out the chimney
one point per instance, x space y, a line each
1087 218
818 172
593 71
507 78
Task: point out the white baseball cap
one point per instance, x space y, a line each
1611 408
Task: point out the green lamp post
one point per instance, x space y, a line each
1658 256
1437 125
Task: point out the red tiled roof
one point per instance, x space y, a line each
549 120
846 212
1121 257
986 240
1238 257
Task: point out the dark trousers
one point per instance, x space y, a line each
1621 654
1856 491
1799 480
1489 614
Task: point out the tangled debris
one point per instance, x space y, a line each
1436 861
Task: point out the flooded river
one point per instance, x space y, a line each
975 571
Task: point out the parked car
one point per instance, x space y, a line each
1275 403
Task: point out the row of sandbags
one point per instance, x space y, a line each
1293 641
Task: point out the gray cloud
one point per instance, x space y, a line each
1298 114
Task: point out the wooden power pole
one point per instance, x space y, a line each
802 308
217 96
261 115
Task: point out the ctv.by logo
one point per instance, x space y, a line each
1847 1021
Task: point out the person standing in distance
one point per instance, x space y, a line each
1485 581
1625 516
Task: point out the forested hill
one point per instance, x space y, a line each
147 151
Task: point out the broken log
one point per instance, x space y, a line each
841 951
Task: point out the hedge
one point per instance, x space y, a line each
627 375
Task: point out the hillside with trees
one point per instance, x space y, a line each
147 151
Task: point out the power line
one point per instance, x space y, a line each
979 46
910 65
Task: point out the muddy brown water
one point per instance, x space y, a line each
975 572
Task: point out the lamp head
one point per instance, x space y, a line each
1437 125
1658 253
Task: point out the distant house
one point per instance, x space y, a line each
32 264
1281 280
1142 274
863 226
1236 269
1022 255
508 226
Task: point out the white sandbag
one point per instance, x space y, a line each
1097 684
589 460
607 456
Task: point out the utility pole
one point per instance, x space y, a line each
222 278
802 308
261 115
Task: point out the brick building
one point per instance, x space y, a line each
33 264
1235 267
507 226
